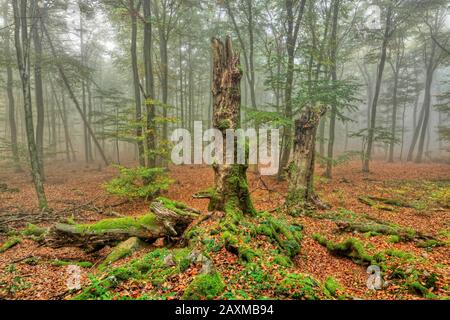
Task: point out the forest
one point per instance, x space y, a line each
224 150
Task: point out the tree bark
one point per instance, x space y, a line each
301 193
333 61
10 92
136 83
149 86
22 43
231 192
373 111
38 90
291 41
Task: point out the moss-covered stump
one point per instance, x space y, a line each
167 219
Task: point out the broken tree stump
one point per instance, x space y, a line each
166 218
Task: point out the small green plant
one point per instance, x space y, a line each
139 182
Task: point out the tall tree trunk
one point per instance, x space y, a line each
22 44
183 120
149 86
426 113
248 53
333 61
394 116
373 111
291 40
136 83
63 117
163 42
38 90
10 92
431 65
231 188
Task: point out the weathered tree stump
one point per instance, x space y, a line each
231 189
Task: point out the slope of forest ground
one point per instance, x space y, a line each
414 269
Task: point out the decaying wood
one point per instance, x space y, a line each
301 169
161 222
231 185
404 234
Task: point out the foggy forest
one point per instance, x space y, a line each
224 150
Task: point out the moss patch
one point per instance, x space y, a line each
204 287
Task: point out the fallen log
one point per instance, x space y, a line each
403 234
166 219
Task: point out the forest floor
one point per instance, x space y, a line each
31 271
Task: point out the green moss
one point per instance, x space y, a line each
11 242
204 287
418 288
33 230
62 263
394 239
282 260
351 248
126 223
298 286
122 250
403 255
181 258
431 243
331 286
247 254
288 237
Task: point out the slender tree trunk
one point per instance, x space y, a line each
333 61
291 40
22 43
38 90
149 86
394 116
322 137
136 83
231 188
183 120
426 114
10 92
373 114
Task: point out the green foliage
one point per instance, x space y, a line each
341 94
139 182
